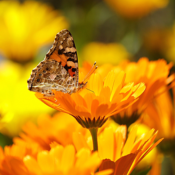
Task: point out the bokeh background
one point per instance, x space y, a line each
108 32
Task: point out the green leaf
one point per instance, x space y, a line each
143 172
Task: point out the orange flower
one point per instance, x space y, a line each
136 8
59 129
63 161
117 152
38 151
59 160
155 76
124 156
160 115
105 97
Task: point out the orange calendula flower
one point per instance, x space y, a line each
59 129
103 97
59 160
26 27
121 155
38 151
155 76
63 161
116 153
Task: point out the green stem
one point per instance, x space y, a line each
93 132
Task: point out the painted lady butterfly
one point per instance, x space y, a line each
59 69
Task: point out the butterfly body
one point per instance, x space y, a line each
59 69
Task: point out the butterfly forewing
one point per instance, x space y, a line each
59 70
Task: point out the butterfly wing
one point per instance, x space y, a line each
59 70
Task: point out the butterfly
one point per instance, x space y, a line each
59 69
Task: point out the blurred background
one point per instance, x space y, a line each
106 31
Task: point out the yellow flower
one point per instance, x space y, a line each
136 8
155 76
107 96
17 104
153 159
26 27
123 155
119 153
100 52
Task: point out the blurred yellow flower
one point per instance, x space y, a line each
104 53
155 76
26 27
17 104
136 8
107 96
161 41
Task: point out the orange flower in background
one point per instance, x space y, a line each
26 27
155 76
105 97
59 129
155 40
160 114
161 41
136 8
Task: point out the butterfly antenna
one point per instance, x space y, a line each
94 67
